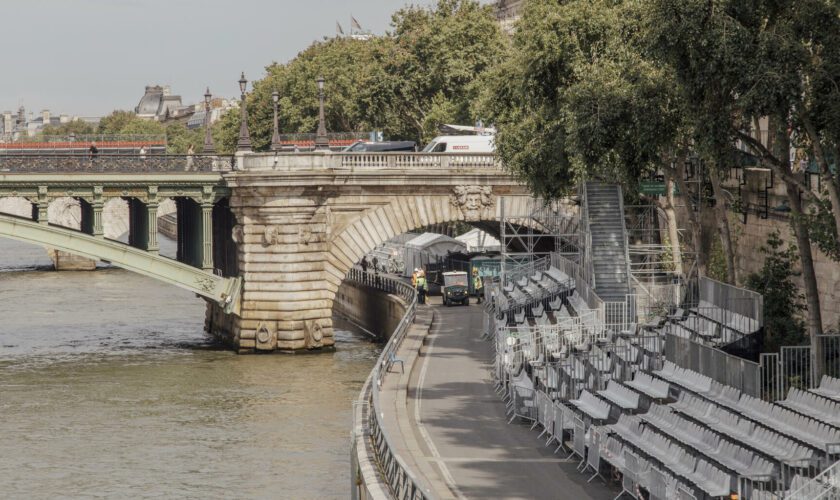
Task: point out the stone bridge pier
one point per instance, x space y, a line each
304 220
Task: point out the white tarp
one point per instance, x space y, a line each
427 248
479 241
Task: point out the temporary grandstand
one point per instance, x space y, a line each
673 396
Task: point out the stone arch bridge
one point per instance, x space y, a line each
266 238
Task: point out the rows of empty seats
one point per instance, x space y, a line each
706 442
667 430
709 324
808 427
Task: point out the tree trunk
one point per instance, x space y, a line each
671 216
809 276
723 226
828 178
692 216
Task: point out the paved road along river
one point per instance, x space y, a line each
109 388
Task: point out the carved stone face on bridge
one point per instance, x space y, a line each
476 202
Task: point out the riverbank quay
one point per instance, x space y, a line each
428 423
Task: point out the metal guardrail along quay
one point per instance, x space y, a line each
450 422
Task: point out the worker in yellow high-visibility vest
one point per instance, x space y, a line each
478 285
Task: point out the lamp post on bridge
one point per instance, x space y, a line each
275 137
322 142
244 142
209 148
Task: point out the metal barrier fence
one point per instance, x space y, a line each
104 162
738 300
525 269
545 341
725 368
792 367
402 482
770 379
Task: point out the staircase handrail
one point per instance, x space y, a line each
826 483
624 236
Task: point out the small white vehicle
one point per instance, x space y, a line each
461 144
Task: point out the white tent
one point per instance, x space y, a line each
477 240
427 248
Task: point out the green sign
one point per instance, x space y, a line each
652 188
655 188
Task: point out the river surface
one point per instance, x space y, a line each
109 388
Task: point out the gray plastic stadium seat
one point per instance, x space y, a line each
649 386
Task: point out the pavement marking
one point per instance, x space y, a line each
503 460
418 398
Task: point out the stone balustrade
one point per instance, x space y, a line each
373 161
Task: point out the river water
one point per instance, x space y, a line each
109 388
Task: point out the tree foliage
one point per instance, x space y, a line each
76 127
578 98
783 302
405 83
178 137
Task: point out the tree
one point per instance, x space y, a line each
579 97
179 139
738 62
433 63
76 127
405 83
115 122
344 63
576 98
783 305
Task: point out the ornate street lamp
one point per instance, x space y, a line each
244 142
209 148
275 137
322 142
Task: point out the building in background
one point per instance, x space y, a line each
508 12
15 126
158 104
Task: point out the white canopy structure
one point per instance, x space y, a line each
477 240
427 248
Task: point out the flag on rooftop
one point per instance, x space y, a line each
354 23
338 29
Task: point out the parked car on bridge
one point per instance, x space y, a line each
380 147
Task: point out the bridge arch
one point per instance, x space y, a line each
408 213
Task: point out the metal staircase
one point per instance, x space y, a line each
607 238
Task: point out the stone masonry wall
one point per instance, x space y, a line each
750 236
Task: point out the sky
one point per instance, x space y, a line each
90 57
